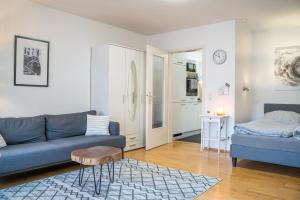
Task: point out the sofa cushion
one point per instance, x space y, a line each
83 141
2 142
66 125
29 156
97 125
23 130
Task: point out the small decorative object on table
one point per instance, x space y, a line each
94 156
221 121
31 62
220 111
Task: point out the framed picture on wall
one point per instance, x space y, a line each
287 68
31 67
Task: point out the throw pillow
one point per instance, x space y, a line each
2 142
97 125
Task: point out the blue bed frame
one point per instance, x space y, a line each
267 155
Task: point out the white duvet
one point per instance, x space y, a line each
272 124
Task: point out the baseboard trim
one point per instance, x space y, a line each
187 134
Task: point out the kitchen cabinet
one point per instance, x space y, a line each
186 117
179 83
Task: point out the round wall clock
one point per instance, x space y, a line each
219 56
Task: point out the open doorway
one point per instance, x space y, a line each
186 97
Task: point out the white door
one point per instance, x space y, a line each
156 101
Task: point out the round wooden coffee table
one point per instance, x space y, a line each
94 156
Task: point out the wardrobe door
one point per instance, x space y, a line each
132 89
116 88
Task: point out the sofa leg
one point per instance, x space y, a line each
122 153
234 161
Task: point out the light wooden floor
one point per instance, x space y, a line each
250 180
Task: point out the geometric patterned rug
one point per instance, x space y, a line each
133 180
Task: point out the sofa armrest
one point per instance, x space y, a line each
114 128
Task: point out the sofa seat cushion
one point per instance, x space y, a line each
66 125
29 156
264 142
23 130
79 142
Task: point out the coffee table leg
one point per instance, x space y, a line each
81 172
111 177
97 184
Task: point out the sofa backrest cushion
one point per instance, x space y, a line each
66 125
23 130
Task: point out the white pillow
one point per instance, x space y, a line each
2 142
97 125
286 117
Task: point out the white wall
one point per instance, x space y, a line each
243 100
210 38
71 38
264 44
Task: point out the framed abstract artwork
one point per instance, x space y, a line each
287 68
31 62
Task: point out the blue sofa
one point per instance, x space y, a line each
42 141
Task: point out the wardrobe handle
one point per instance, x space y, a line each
150 98
123 99
132 98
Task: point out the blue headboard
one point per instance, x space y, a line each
268 107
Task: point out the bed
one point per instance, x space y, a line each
276 150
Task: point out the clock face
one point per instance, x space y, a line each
219 56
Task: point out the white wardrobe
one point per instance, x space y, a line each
117 89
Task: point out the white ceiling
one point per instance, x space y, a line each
156 16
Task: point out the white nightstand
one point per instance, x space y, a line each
222 124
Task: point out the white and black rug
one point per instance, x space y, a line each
133 180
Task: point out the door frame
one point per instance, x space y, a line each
170 78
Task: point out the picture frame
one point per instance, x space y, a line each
31 62
287 68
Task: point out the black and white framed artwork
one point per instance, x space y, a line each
31 62
287 68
